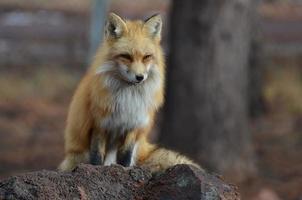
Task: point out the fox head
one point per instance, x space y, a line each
132 48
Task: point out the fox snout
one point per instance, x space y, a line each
133 74
140 77
136 77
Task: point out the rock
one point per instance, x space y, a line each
116 182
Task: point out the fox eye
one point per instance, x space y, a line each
125 56
147 57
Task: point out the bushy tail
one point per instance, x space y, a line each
159 159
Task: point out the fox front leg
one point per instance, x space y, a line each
97 149
126 154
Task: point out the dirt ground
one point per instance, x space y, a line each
278 149
277 135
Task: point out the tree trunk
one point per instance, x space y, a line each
98 15
205 114
256 71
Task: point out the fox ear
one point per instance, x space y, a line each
115 26
153 24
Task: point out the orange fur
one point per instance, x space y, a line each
159 159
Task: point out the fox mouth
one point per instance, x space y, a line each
129 82
134 82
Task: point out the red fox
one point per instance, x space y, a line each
114 106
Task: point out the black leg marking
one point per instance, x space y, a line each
124 157
95 158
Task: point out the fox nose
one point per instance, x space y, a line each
139 77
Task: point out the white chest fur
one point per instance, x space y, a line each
130 104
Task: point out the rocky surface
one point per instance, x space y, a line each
115 182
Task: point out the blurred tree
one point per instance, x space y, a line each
98 15
256 68
206 111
